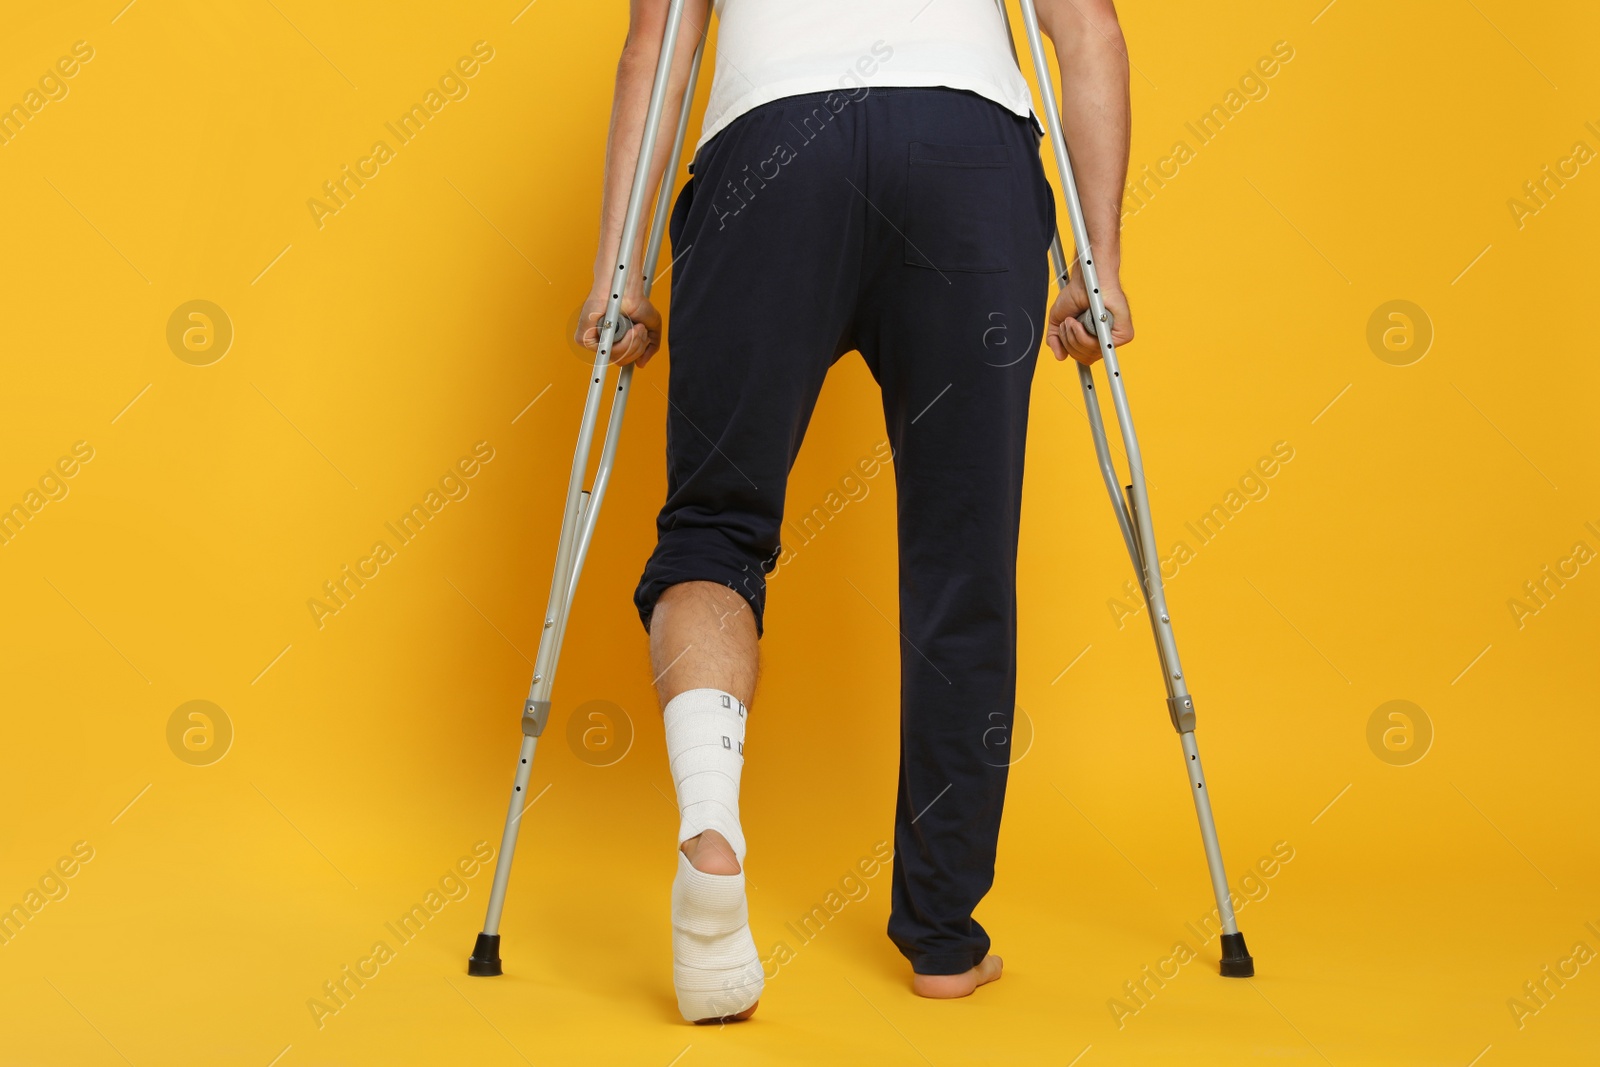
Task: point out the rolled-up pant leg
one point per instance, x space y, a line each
766 240
951 327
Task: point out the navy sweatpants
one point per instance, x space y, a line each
911 225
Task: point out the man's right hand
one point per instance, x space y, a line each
1066 336
635 346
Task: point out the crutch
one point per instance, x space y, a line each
583 506
1133 517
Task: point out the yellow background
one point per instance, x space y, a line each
371 754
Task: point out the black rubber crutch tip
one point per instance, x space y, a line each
485 959
1236 961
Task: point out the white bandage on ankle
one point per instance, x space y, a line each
715 967
705 747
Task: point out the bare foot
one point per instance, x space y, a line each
951 986
710 853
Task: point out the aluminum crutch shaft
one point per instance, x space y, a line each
1133 517
582 506
619 402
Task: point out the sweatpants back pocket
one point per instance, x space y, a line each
958 207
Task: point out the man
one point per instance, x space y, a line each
867 179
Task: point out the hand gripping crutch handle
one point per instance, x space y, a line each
1087 318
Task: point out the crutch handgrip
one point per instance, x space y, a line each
620 328
1087 318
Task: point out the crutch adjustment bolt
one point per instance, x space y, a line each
1181 709
618 328
485 959
535 713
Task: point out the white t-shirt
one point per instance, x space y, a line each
770 49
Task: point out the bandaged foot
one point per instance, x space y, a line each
715 966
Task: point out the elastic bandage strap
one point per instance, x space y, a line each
705 747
